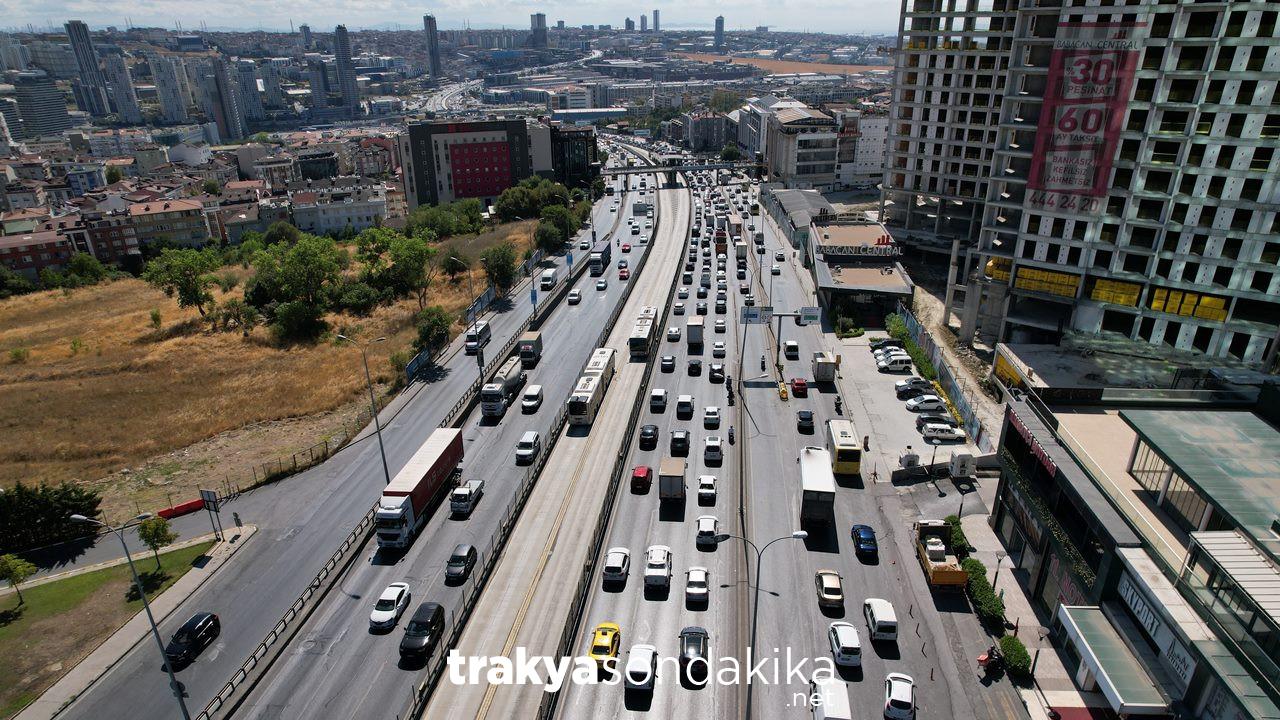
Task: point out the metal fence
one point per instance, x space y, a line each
958 388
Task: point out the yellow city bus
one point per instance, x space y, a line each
846 448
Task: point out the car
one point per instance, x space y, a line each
721 285
720 325
602 284
641 670
677 309
799 388
460 562
713 449
657 566
721 307
528 447
423 631
658 400
683 293
716 373
584 245
626 248
702 308
605 640
779 256
717 349
648 437
695 367
935 419
668 363
708 526
913 382
775 270
617 564
697 585
899 697
804 421
864 540
624 274
721 295
673 334
390 606
830 591
711 416
707 489
945 433
680 442
623 263
880 343
744 288
641 478
749 300
846 650
197 633
694 663
926 402
742 272
684 407
532 399
907 393
883 353
575 296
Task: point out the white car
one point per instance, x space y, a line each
707 489
926 402
617 564
641 670
712 449
717 349
677 309
711 416
775 270
939 431
584 245
575 296
657 566
602 284
708 526
390 606
845 648
673 334
720 325
532 398
899 697
683 293
696 585
888 352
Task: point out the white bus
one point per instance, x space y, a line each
601 365
641 339
584 402
817 486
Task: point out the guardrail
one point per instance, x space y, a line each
355 539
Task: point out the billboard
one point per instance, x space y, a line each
1091 72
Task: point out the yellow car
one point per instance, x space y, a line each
605 642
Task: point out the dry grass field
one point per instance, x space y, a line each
787 66
100 390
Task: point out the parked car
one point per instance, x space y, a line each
880 343
907 393
913 382
945 433
926 402
197 633
935 419
390 606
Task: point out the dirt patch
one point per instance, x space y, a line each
788 66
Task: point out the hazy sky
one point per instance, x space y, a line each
840 16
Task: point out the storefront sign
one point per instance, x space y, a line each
879 250
1174 654
1036 448
1026 520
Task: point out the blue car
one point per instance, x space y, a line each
864 540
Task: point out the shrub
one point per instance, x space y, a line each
959 543
897 329
973 566
1017 661
986 603
297 320
357 298
155 318
19 355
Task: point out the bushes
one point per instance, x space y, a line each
32 516
986 603
1017 661
897 329
959 543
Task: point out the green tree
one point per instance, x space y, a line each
303 271
597 188
433 325
87 268
412 268
562 218
211 187
548 237
114 175
185 273
11 283
499 263
730 152
155 533
724 101
237 313
35 515
16 571
297 320
281 231
454 263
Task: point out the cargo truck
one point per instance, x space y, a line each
463 499
402 509
693 330
740 250
598 260
824 367
817 486
529 347
498 393
941 566
671 479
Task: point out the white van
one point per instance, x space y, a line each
882 621
829 700
528 448
477 337
641 669
657 400
894 364
548 279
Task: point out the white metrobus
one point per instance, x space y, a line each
643 333
588 394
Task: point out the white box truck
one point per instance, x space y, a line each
548 279
671 479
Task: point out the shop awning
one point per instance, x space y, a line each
1120 676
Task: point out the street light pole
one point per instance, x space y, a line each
142 593
373 405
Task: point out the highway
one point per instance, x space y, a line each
300 521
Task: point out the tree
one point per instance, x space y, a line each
155 533
597 188
730 152
16 570
454 263
499 263
433 325
114 175
562 218
211 187
412 269
281 231
11 283
36 515
724 101
548 237
238 313
184 272
87 268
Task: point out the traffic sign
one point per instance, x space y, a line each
810 315
757 315
210 498
533 295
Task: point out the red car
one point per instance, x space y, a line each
624 273
626 247
799 387
641 478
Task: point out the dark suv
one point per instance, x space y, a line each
423 632
195 635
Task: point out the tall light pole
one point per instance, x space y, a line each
755 603
373 406
155 631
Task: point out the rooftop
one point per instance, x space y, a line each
164 206
880 278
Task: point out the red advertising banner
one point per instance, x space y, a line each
1090 76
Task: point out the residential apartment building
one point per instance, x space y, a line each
705 131
175 222
334 207
123 95
90 85
169 78
800 148
863 139
41 105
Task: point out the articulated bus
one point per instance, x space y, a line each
846 448
584 402
601 365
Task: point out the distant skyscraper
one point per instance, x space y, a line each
91 87
247 78
433 47
271 85
318 76
629 25
656 28
538 25
122 92
306 35
224 99
719 32
41 105
346 70
13 54
169 76
644 23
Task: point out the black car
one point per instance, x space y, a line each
195 635
423 632
721 307
460 563
804 421
679 442
702 308
688 267
716 373
864 540
695 367
648 437
668 363
909 392
693 654
935 418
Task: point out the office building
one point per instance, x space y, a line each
56 59
122 92
801 146
41 105
538 30
447 161
13 54
644 23
575 156
346 71
719 32
168 76
91 85
250 98
305 31
433 48
863 138
655 22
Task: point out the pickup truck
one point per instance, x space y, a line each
463 499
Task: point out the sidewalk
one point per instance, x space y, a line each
108 542
81 677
